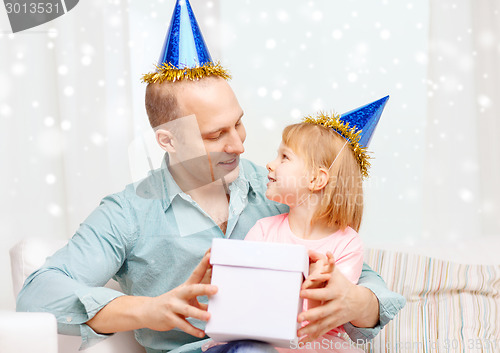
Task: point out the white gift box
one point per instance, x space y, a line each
258 291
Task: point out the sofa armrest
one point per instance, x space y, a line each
28 332
26 257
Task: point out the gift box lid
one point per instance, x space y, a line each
261 255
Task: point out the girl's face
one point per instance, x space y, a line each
288 178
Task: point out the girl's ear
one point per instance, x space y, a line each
166 140
320 180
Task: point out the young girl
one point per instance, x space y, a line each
318 174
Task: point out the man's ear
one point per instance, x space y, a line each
320 180
166 140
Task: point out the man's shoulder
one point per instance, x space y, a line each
251 168
144 191
255 174
257 177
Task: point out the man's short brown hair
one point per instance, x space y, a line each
161 103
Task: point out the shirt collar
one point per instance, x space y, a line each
169 184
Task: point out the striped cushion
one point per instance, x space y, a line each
450 307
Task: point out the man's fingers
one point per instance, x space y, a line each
207 278
191 291
185 326
200 270
195 313
202 306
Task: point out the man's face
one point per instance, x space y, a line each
220 128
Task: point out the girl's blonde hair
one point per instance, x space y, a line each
341 201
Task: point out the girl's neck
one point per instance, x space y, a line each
301 225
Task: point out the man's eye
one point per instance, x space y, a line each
214 138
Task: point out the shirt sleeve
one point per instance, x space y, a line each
350 261
390 303
70 284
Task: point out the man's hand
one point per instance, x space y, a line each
161 313
171 309
338 302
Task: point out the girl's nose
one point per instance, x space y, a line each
269 166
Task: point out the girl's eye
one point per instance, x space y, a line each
284 156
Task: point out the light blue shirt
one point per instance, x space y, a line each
149 238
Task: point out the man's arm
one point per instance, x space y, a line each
71 282
363 309
161 313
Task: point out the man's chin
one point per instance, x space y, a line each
230 176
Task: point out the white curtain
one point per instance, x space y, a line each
65 123
72 118
462 160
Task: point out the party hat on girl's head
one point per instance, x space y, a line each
185 54
356 126
365 119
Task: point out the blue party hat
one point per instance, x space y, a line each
356 126
365 118
185 54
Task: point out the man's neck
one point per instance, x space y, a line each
214 199
212 196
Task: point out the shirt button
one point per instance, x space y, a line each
69 319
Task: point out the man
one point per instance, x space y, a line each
153 237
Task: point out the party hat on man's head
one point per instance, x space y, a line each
185 54
356 126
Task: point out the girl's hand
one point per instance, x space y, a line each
320 269
338 302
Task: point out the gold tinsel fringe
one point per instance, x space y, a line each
350 133
167 72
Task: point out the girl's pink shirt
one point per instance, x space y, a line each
345 245
347 249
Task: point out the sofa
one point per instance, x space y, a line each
452 294
27 256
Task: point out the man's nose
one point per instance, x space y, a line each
235 145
